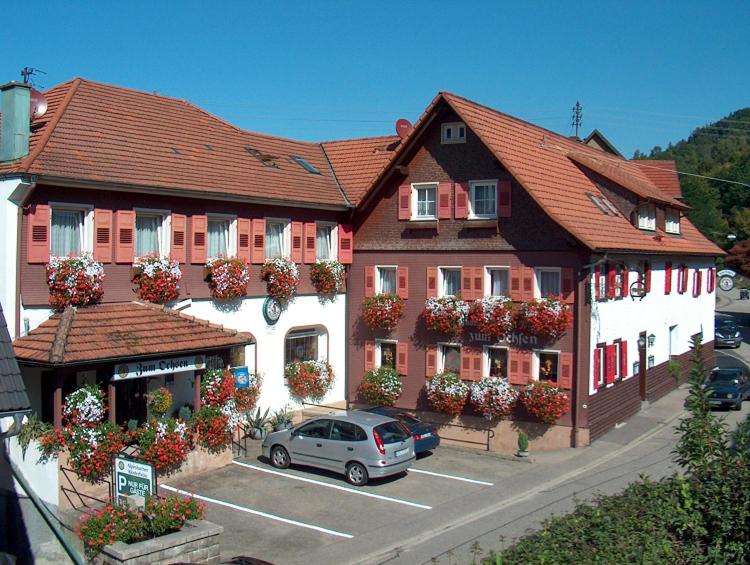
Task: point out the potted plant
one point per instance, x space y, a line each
164 443
382 311
258 424
447 393
74 281
492 315
547 318
211 426
159 402
523 444
281 419
281 275
545 401
493 397
447 314
381 386
157 278
227 277
309 380
327 276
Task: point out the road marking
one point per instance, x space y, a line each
454 477
337 487
258 512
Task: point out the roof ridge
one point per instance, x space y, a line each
60 341
335 177
368 138
178 314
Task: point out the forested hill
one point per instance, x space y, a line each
720 150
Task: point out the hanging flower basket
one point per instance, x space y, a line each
492 315
493 397
547 318
84 407
381 387
246 398
545 401
74 281
447 314
328 277
164 444
309 380
382 311
159 402
157 278
447 393
219 390
282 278
211 426
227 277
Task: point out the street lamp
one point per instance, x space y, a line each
651 340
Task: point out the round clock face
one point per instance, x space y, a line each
271 310
726 283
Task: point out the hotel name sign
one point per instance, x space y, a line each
514 339
153 367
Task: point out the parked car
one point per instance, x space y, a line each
728 386
727 334
425 436
359 445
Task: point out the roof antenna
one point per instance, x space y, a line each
577 117
28 72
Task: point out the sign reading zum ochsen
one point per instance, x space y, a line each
133 479
153 367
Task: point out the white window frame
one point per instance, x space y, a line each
672 226
472 185
602 376
379 351
441 354
618 354
647 216
440 278
232 235
320 331
87 229
488 277
486 358
378 287
415 200
538 278
163 233
454 127
535 363
334 251
287 251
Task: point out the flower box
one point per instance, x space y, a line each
381 387
157 278
74 281
227 277
309 380
328 277
547 318
493 397
447 314
382 311
492 315
282 278
447 393
544 401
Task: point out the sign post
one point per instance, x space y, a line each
134 481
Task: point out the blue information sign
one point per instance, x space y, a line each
241 377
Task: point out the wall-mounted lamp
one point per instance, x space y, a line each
641 342
651 340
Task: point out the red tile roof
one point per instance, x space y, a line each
110 134
121 331
663 174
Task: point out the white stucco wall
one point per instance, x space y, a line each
655 314
11 191
33 317
42 477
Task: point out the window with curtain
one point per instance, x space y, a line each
387 280
498 282
275 239
324 243
67 232
483 198
426 198
548 363
387 354
497 358
301 346
647 217
549 282
218 237
451 281
147 234
450 356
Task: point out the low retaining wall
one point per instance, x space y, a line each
42 477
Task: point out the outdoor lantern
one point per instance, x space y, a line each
641 342
651 340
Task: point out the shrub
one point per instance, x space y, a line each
157 279
381 386
493 397
228 277
545 401
382 311
309 380
547 318
74 281
447 314
328 276
447 393
282 278
492 315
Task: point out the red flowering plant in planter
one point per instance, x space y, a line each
74 281
281 275
211 426
545 401
447 314
492 315
328 277
382 311
447 393
309 380
157 278
246 398
219 390
493 397
164 443
228 277
381 386
547 318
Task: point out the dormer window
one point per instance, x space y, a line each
672 224
453 132
647 217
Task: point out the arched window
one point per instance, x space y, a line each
308 344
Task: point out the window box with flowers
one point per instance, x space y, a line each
164 443
447 314
492 315
447 393
493 397
381 387
547 318
281 275
328 277
544 401
157 278
227 277
74 281
382 311
309 380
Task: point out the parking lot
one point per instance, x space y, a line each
282 515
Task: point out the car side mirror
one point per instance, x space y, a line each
294 433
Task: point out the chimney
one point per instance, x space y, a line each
15 106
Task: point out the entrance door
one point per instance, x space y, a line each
130 400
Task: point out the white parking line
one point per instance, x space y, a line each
258 512
337 487
455 478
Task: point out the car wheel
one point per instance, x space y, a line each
737 405
356 474
280 457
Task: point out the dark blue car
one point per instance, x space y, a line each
425 436
728 387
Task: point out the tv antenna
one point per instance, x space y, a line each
28 73
577 117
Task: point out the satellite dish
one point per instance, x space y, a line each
404 128
38 104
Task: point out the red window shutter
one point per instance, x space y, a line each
432 276
697 282
296 254
611 356
598 283
647 276
514 372
177 248
503 199
369 281
258 251
565 379
527 284
346 244
597 368
667 278
471 363
711 280
466 358
625 285
244 229
623 359
682 274
198 243
611 280
404 202
478 282
402 358
430 360
102 235
311 235
444 200
38 236
369 355
524 362
125 230
467 278
568 291
462 201
402 282
476 365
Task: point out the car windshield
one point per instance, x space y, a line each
725 377
392 432
408 418
726 326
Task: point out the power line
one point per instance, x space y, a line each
695 175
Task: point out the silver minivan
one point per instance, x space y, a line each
359 445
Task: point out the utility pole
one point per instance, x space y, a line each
577 117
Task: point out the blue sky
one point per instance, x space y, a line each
646 72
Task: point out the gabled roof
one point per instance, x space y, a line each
546 165
109 134
13 397
597 139
121 331
663 174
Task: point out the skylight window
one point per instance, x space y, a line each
599 204
265 158
304 164
609 205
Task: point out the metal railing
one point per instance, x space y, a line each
490 433
239 440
